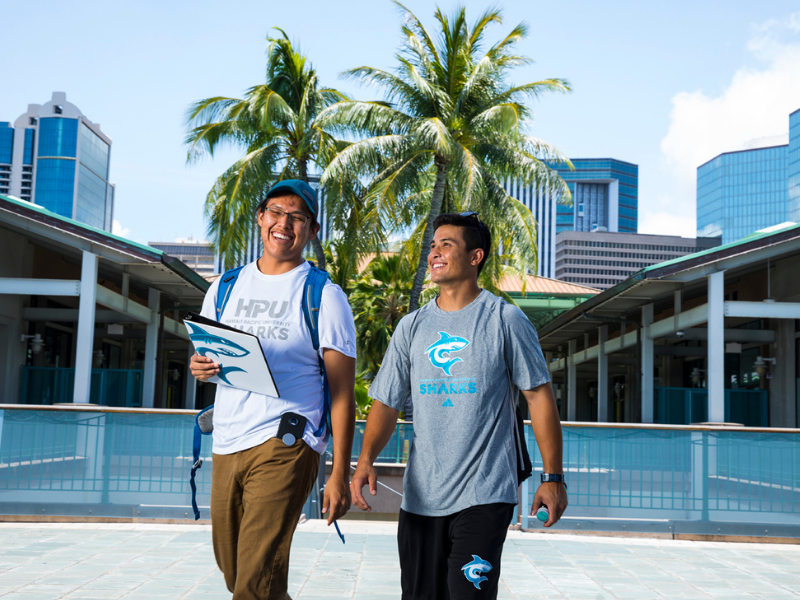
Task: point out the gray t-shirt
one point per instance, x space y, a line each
456 367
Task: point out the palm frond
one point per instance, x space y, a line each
367 118
415 25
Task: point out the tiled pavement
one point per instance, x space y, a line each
171 562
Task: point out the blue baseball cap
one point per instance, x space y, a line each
298 188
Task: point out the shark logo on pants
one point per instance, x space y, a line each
472 571
439 352
208 343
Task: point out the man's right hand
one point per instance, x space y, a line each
365 473
202 367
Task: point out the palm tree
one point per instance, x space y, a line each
276 126
449 133
379 298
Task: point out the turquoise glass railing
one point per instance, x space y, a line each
396 450
683 406
54 385
134 463
681 474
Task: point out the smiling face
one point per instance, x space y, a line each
284 238
449 260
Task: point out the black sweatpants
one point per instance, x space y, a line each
456 557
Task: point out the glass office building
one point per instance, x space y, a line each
605 194
793 167
55 157
6 152
744 191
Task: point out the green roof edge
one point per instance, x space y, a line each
173 263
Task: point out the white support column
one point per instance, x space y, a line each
647 364
572 383
81 391
602 376
150 349
715 376
191 382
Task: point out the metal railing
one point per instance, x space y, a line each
54 385
90 461
683 406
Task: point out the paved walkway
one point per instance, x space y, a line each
172 562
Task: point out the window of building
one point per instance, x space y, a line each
58 109
32 121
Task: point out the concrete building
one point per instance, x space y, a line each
709 337
602 259
90 317
605 193
197 255
55 157
742 191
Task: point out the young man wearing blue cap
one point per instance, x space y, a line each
462 358
260 483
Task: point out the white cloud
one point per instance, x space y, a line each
756 104
117 229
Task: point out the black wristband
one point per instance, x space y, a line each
553 477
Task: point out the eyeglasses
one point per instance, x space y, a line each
472 213
276 213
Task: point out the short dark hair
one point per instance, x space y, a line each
262 206
474 231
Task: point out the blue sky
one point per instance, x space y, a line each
663 85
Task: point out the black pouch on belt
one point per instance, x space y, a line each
291 428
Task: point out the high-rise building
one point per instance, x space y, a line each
197 255
602 259
793 167
605 194
746 190
55 157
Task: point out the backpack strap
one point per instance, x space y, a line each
312 301
203 425
226 284
203 421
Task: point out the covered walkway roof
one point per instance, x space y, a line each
69 238
657 283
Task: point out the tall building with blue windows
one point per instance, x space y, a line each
793 167
605 197
743 191
55 157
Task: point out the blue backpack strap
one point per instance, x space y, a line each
202 426
226 284
312 301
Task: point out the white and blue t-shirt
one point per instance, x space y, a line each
270 307
462 370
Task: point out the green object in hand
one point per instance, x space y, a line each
543 514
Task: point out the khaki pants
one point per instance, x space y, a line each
257 496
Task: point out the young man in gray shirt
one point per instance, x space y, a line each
462 358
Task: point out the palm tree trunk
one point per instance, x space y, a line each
315 243
318 252
436 207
